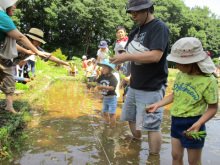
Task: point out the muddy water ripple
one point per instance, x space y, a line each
68 128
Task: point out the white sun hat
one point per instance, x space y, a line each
189 50
186 51
84 57
207 65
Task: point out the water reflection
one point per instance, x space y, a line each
68 128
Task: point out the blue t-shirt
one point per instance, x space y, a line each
6 24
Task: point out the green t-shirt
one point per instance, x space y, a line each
192 94
6 24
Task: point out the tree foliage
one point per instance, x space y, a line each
77 26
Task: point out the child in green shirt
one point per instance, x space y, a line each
194 97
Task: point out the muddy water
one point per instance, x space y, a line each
68 128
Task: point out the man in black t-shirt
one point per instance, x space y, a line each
149 72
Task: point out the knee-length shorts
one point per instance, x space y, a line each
134 109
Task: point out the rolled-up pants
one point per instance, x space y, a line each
7 80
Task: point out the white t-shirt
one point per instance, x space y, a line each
32 58
102 55
117 87
94 74
89 69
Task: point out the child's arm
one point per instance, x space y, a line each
93 83
121 84
167 100
211 111
110 88
128 78
98 59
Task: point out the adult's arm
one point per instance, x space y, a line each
56 60
152 56
18 36
19 78
23 50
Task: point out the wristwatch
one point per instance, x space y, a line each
47 58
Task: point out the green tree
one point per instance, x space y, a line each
77 26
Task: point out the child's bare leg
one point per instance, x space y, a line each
113 120
107 118
177 151
194 156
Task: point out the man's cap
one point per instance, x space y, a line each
136 5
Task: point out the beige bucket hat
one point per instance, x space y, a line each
36 34
189 50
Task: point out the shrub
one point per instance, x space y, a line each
216 61
57 54
78 62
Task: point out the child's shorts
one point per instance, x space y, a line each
180 124
109 104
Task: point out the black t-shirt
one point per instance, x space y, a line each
107 81
154 36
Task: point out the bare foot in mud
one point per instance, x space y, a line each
11 110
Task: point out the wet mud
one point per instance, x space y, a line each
68 128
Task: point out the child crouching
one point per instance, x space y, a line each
107 84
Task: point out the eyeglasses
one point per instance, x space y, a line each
134 13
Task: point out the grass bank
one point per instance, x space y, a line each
11 125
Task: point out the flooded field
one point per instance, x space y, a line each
68 128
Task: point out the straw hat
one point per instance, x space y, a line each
36 34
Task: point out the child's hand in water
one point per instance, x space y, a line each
152 108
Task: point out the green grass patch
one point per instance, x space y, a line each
12 135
